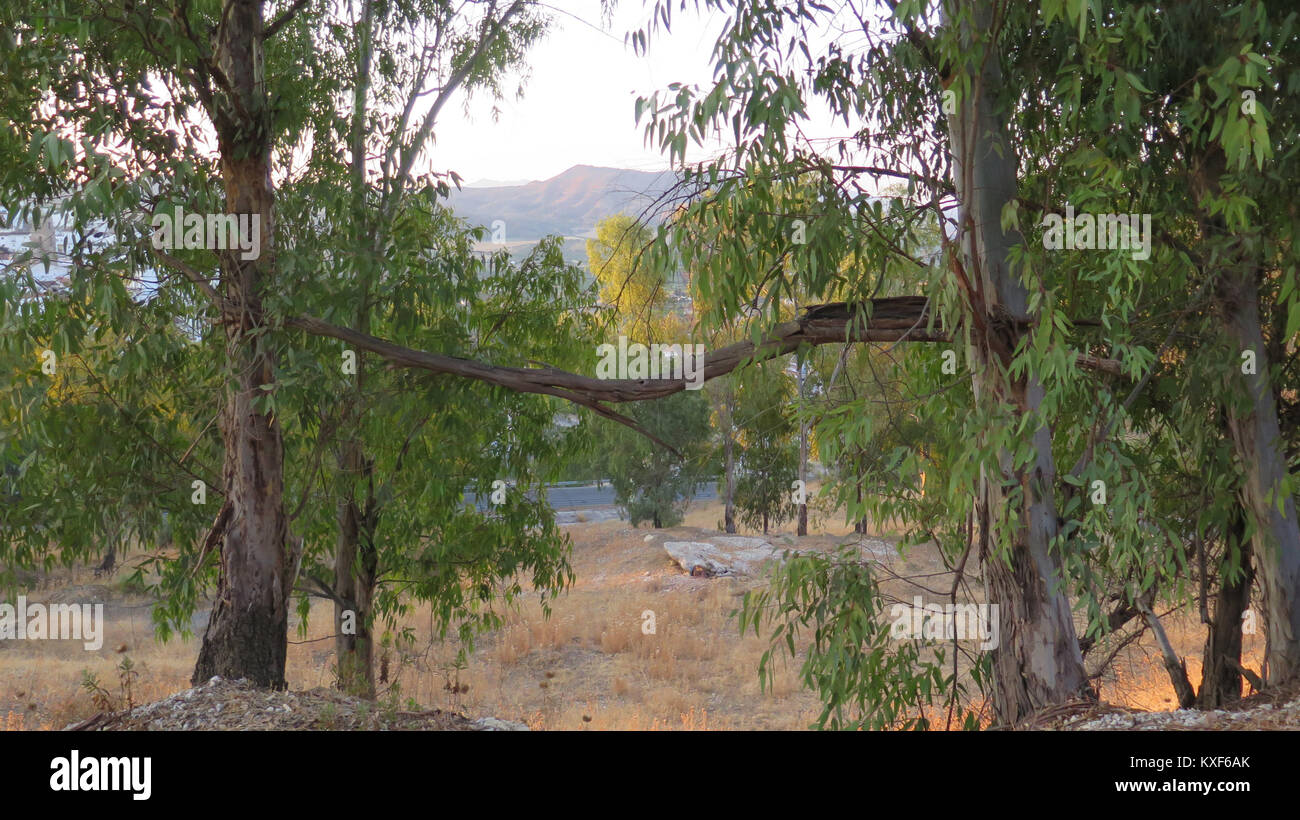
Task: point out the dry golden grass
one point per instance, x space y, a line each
592 658
590 666
1138 679
40 681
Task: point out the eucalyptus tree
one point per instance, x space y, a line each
893 92
1005 111
121 110
1182 118
306 122
1234 146
115 112
400 264
722 402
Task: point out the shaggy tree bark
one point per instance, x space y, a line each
729 447
1258 443
355 576
247 633
1037 662
1254 429
1220 680
802 526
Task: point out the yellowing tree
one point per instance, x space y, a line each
637 293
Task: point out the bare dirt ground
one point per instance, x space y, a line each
590 666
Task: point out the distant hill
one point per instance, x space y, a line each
569 204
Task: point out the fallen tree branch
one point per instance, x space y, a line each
902 318
1174 665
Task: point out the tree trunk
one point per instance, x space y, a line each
729 445
1257 441
1254 429
1037 662
1220 680
1174 666
860 526
109 563
355 557
355 565
802 528
247 633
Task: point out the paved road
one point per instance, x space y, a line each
590 497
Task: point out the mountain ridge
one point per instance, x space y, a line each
568 204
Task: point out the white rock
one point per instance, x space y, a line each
741 542
491 724
731 555
877 548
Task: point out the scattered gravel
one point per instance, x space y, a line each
1260 716
238 705
225 705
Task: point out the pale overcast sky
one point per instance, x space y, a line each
578 102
